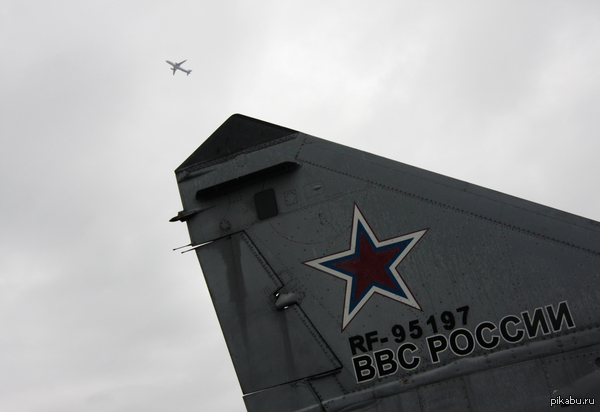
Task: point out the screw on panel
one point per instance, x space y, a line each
225 225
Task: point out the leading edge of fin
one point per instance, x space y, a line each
237 134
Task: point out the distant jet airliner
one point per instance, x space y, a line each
176 66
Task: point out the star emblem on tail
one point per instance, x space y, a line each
369 266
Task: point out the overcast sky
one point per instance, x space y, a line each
97 313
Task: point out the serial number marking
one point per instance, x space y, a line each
461 341
358 342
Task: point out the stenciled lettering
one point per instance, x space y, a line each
562 314
386 365
363 368
532 326
493 342
455 347
504 329
436 344
408 346
385 362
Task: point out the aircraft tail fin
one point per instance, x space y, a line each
344 281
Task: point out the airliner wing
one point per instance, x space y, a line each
345 281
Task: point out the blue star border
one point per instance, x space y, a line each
402 294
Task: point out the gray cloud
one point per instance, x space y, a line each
97 312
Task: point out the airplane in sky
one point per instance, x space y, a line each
176 66
344 281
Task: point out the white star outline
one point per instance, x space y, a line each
409 300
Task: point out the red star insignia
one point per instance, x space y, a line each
370 266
